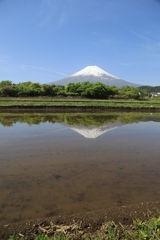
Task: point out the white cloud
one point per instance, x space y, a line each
149 45
45 69
141 36
62 19
105 60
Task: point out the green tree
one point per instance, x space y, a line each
82 89
46 90
5 83
97 90
112 90
131 92
58 90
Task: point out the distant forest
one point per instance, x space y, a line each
149 89
86 89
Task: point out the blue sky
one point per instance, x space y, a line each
47 40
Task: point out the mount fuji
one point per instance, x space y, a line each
92 131
94 74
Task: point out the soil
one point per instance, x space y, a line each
77 225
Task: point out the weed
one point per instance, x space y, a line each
43 237
147 230
13 237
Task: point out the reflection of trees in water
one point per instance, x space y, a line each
90 119
77 118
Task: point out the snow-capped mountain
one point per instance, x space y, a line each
93 131
93 71
94 74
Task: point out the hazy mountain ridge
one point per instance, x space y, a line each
150 88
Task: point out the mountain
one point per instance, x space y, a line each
93 131
94 74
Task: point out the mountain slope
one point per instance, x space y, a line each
94 74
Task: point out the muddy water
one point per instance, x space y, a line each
49 168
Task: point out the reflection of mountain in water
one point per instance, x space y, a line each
93 131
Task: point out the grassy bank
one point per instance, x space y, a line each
135 221
43 103
149 229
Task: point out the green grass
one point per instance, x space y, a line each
48 102
88 103
81 104
147 230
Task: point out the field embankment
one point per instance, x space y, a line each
126 222
78 104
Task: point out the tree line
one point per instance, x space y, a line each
86 89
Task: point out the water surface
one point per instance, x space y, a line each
69 163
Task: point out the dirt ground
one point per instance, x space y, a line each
76 225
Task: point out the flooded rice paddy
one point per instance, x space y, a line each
56 164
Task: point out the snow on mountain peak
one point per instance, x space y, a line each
93 71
